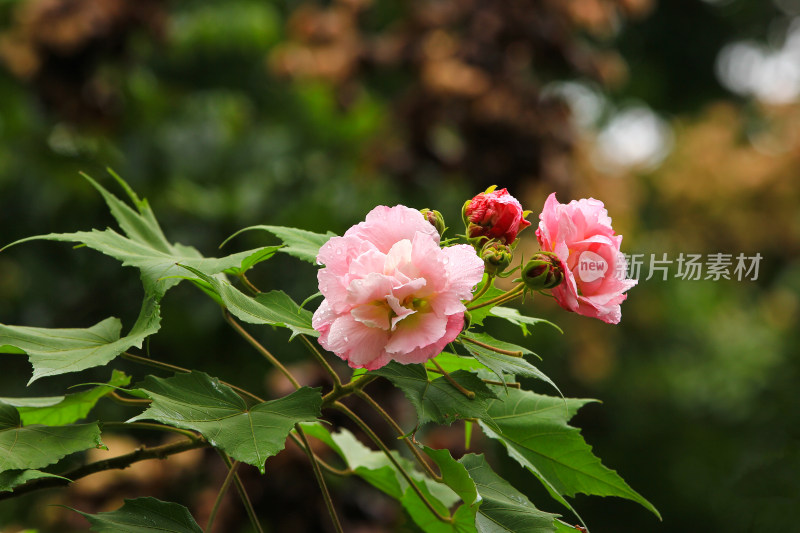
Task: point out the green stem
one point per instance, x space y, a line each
138 402
260 348
323 464
248 284
381 411
485 288
374 438
501 384
512 353
346 390
149 425
320 480
508 295
222 491
248 505
337 382
468 393
153 363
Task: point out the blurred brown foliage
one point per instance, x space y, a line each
472 99
59 46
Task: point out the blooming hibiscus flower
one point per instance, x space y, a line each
580 234
391 292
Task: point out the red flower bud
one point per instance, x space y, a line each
494 215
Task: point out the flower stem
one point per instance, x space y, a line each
260 348
248 284
337 382
375 405
248 505
508 295
323 464
468 393
501 384
114 395
222 491
347 389
374 438
512 353
486 286
320 480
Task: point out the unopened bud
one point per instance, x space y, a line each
496 256
435 218
544 271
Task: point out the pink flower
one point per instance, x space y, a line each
391 293
495 215
580 234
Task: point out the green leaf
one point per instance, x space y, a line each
436 400
502 364
252 260
201 403
144 245
32 447
451 362
144 515
503 509
275 308
299 243
375 468
513 315
454 475
534 430
54 351
11 479
71 408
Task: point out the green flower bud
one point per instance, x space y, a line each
435 218
496 256
544 271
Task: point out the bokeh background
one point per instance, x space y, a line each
683 116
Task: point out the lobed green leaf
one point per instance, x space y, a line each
144 515
53 351
515 317
503 509
199 402
299 243
275 308
11 479
69 408
436 400
36 446
503 364
535 432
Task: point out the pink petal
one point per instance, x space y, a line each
354 342
420 330
455 323
464 270
384 226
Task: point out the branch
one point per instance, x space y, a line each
123 461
